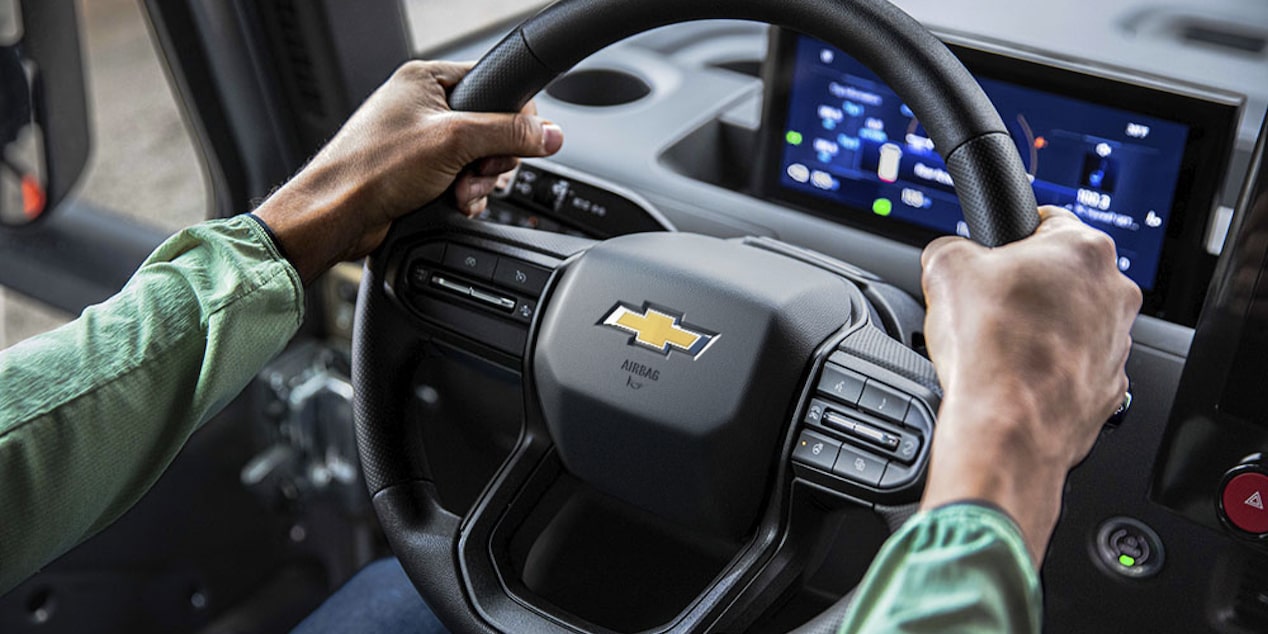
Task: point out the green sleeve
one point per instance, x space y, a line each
959 568
93 412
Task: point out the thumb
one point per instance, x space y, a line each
490 134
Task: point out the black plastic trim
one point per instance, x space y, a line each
80 256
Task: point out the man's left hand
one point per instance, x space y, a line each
402 149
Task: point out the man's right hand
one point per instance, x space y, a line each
1030 342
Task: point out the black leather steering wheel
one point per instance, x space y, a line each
660 371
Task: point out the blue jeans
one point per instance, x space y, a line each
378 600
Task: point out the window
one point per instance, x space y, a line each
144 167
432 22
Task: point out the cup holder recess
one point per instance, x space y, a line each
598 88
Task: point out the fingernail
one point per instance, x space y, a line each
552 138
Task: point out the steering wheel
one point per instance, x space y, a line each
674 381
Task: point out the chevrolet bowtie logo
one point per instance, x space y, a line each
659 330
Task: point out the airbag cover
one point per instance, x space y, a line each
666 365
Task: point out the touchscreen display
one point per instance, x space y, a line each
850 140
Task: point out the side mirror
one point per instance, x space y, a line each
43 118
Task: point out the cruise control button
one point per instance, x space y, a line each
520 276
884 401
816 451
470 261
841 383
859 467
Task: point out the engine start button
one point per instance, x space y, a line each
1244 502
1127 547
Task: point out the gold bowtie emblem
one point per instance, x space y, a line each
659 330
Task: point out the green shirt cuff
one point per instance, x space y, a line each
957 568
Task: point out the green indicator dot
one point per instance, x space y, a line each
1127 560
882 206
793 137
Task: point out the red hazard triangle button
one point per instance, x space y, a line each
1255 501
1242 502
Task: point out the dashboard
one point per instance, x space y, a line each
733 129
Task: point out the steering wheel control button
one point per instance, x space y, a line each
841 384
433 252
451 286
816 451
418 275
814 413
470 261
862 431
501 303
524 311
859 467
884 401
908 448
899 475
1129 548
1244 500
519 276
551 193
916 418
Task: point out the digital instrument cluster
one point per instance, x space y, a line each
1126 159
850 139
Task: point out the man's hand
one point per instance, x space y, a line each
1029 341
400 150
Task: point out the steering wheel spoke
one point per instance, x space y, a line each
866 425
472 284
